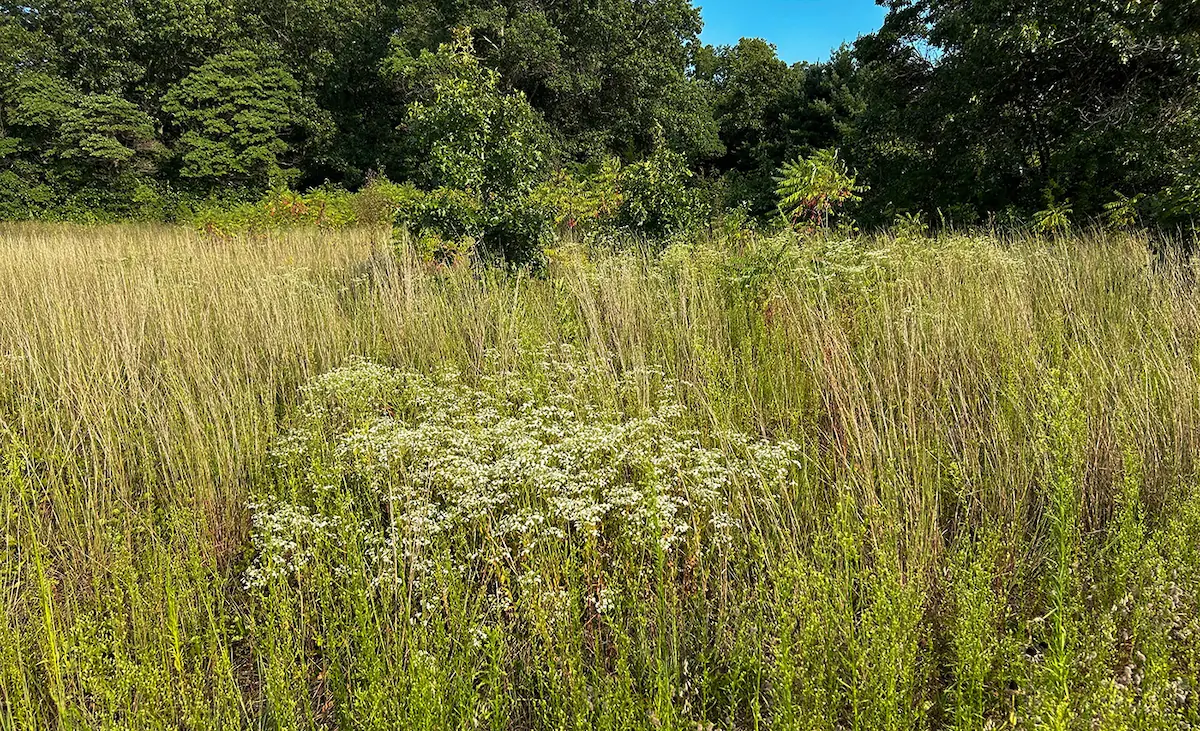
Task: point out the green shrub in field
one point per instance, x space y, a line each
584 203
654 198
282 209
23 195
375 205
910 226
445 223
326 208
473 141
1055 218
1122 213
813 190
377 202
658 198
1176 204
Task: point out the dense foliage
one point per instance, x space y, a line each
961 112
994 106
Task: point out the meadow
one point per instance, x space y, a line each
306 480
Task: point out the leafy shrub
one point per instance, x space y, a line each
323 207
378 202
734 226
658 198
449 224
654 198
449 213
282 209
445 223
586 202
519 232
29 192
1122 212
814 189
1175 205
481 153
911 226
23 194
1055 218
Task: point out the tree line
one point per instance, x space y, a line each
959 111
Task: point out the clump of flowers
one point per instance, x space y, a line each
406 474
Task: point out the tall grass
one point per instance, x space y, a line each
951 484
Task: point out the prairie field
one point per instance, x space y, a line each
305 480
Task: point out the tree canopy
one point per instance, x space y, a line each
962 111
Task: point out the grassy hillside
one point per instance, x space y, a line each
302 481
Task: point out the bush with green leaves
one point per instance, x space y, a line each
658 196
24 194
327 207
652 199
1055 218
910 226
586 201
377 202
481 153
1122 213
813 190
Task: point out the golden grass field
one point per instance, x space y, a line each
914 483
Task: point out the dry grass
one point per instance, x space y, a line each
1005 425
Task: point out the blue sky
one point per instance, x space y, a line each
802 30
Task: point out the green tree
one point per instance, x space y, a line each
486 146
748 84
246 95
604 74
59 143
1013 100
769 113
334 49
133 48
235 115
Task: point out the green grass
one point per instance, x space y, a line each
304 481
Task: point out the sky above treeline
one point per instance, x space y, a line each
802 30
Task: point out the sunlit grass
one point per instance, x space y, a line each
987 515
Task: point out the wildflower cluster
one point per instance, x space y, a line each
417 472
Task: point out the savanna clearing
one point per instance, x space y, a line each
305 480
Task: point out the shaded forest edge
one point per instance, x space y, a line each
951 113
